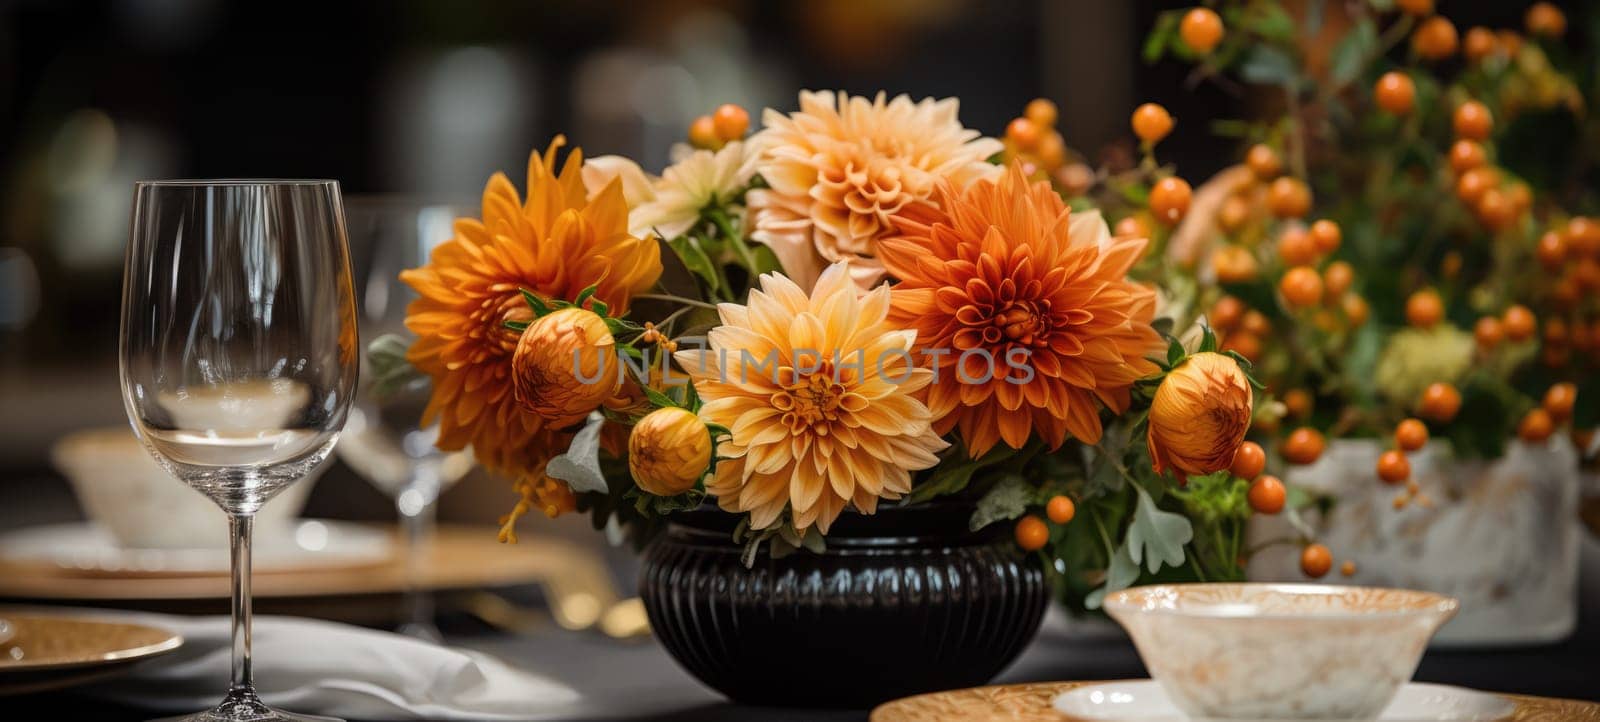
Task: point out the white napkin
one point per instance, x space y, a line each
317 667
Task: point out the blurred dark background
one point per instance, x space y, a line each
426 99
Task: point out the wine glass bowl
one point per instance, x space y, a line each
239 352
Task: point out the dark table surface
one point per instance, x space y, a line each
637 680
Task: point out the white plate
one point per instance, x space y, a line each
1146 702
305 544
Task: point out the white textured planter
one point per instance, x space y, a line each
1501 536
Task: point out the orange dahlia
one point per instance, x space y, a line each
1199 415
555 244
842 165
1003 276
821 398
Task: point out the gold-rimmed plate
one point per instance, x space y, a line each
50 651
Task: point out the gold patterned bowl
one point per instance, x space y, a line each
1279 651
51 650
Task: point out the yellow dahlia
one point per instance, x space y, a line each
670 205
669 451
1003 276
842 165
821 398
1199 416
555 244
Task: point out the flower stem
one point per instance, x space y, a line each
676 299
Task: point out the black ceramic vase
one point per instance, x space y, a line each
902 602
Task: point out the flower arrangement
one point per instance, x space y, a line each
862 303
1399 251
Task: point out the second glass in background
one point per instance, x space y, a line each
383 439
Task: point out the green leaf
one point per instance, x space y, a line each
1157 537
517 326
1269 65
1351 54
1165 29
1208 340
386 359
601 308
585 295
1273 22
657 398
955 472
580 465
1120 575
1175 353
1008 499
535 303
694 258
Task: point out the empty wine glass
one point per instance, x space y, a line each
238 354
383 440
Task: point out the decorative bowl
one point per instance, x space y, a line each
1280 651
123 489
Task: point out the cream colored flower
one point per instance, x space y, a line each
670 205
842 165
821 397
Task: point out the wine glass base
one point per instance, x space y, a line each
245 708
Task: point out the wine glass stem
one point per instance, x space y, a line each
240 526
418 520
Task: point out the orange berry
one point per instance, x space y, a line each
1201 29
1042 112
1519 323
1536 426
1304 446
1583 236
1555 356
1546 20
1226 313
703 133
1298 403
1418 8
1151 122
1263 161
1249 460
1023 132
1555 332
1488 332
1587 274
1510 42
1337 278
1521 197
1256 322
1244 343
1296 248
1316 561
1559 401
1434 39
1496 210
1393 467
1474 183
731 121
1132 227
1410 435
1301 286
1052 153
1396 93
1234 264
1060 509
1466 155
1472 121
1031 533
1169 199
1327 235
1233 214
1450 265
1478 44
1424 308
1440 402
1348 568
1289 198
1267 494
1356 309
1552 250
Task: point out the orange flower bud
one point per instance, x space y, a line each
1199 415
565 366
669 451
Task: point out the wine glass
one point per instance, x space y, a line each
383 440
238 353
